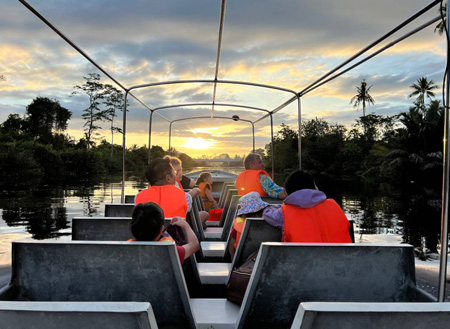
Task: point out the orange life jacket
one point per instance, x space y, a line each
238 225
206 202
169 197
248 181
179 185
325 222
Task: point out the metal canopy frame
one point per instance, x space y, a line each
297 96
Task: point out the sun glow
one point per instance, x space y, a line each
199 143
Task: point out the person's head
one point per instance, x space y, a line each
204 177
251 205
299 180
160 172
253 161
177 166
147 222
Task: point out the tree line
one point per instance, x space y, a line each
403 148
406 147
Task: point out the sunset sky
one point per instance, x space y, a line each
287 43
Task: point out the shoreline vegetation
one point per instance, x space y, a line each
402 149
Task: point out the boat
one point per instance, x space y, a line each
41 268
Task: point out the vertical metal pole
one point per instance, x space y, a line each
124 150
150 136
253 131
170 135
299 132
445 185
271 149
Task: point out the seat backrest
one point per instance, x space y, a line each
271 201
226 205
103 271
118 209
231 215
103 228
223 193
255 232
198 200
130 198
286 274
75 315
315 315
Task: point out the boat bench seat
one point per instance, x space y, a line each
75 315
314 315
102 271
286 274
118 209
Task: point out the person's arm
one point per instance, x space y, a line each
192 245
273 215
272 190
188 201
194 192
283 194
208 194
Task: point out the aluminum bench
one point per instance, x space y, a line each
316 315
76 315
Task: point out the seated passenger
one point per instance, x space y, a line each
183 182
204 182
306 215
147 224
250 206
161 176
176 164
255 179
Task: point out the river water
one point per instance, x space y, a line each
381 213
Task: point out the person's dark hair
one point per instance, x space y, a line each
202 177
299 180
146 221
157 170
250 158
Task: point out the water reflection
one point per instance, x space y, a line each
411 212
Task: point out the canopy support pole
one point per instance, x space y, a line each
124 149
299 116
150 136
445 183
170 136
253 132
271 149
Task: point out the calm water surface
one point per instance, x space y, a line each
411 215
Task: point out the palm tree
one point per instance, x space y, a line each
423 88
440 28
362 97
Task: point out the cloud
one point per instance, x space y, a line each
286 43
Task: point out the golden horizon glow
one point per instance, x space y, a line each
199 143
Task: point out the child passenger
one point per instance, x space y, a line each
204 182
147 224
306 215
251 206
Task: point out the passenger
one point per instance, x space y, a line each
255 179
306 215
251 206
177 166
147 224
162 190
183 181
204 182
